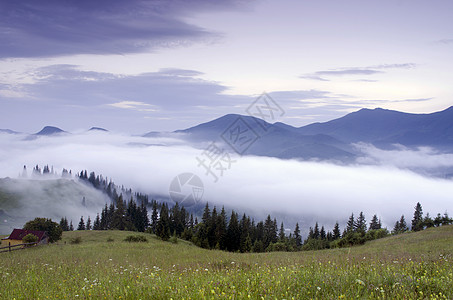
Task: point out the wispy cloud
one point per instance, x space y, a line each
445 41
135 105
356 71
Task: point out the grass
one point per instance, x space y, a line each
414 265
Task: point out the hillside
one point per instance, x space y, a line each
413 265
23 199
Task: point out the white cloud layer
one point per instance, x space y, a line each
303 191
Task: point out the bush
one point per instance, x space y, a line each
174 239
30 238
110 240
375 234
76 240
136 238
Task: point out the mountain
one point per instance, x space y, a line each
8 131
383 127
98 129
275 140
50 130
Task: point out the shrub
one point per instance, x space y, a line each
110 240
136 238
76 240
30 238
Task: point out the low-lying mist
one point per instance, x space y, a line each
300 190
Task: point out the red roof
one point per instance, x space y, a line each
19 234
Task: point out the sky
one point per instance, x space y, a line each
153 65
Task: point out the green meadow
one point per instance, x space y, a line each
104 266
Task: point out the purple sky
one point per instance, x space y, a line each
137 66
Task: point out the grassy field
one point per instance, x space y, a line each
414 265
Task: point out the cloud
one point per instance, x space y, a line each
103 99
139 106
51 28
395 66
366 71
301 191
347 72
179 96
422 158
445 41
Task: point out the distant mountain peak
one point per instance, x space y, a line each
50 130
9 131
98 129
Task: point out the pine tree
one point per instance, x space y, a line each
270 232
403 225
97 223
88 226
297 237
81 224
428 221
316 231
281 233
71 227
351 225
438 220
163 224
64 224
221 229
119 218
206 214
233 233
417 221
361 224
446 220
375 223
154 216
322 233
336 234
400 226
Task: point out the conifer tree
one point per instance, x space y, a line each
322 233
154 216
81 224
336 234
221 229
375 223
316 231
351 225
163 224
417 221
361 224
88 226
97 223
297 237
233 233
281 233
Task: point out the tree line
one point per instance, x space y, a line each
241 233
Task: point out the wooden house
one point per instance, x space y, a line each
15 238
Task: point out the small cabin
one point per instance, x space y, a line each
15 238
